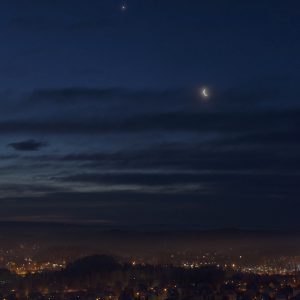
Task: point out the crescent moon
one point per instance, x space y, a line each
204 92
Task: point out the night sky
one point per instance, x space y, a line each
102 118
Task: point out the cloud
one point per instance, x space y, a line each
52 219
71 95
28 145
243 97
132 178
231 182
138 208
271 138
224 153
113 96
224 122
19 190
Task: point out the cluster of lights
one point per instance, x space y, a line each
33 267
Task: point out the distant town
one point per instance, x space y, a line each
31 271
107 278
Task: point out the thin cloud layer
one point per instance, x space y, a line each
28 145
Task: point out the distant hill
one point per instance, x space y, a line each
95 263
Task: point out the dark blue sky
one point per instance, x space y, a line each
102 121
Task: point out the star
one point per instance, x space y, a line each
123 7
